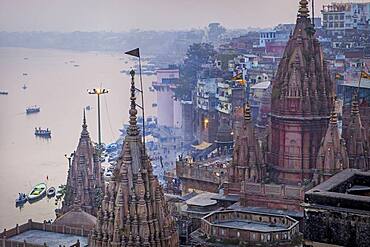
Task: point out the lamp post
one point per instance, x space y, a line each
98 92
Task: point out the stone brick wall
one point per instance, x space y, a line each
337 227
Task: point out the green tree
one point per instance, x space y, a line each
197 55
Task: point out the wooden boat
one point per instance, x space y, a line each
46 133
50 192
33 109
37 192
22 198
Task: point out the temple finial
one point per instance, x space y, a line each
247 112
133 130
84 125
355 109
303 9
333 117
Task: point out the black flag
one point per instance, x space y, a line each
134 52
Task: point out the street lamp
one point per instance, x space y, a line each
98 92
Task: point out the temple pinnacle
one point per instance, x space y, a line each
247 112
84 125
355 110
133 129
303 10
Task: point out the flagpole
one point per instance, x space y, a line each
142 101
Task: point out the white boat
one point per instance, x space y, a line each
37 192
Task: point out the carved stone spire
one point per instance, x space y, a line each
356 139
132 195
332 156
84 182
303 9
301 102
133 129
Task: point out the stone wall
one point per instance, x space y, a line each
199 177
342 228
285 197
30 225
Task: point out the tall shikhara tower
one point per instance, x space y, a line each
84 182
302 99
134 211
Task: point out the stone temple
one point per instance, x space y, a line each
302 102
134 211
84 181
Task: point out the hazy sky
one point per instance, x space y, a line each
122 15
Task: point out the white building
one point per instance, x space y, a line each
169 108
339 17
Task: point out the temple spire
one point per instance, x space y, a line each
303 9
84 125
84 132
247 112
133 130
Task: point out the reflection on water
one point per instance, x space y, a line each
60 89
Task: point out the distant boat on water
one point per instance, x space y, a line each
32 109
25 74
46 133
3 92
76 65
24 87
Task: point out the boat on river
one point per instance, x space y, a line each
46 133
37 193
3 92
32 109
50 192
22 199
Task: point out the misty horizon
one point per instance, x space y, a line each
163 15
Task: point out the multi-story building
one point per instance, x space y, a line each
339 17
205 107
165 84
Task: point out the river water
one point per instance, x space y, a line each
60 88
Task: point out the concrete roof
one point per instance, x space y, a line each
202 200
250 225
51 239
76 218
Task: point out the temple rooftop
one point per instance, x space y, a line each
52 239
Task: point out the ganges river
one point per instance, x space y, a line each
57 81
